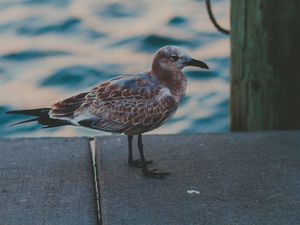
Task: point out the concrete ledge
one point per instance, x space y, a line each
236 178
46 181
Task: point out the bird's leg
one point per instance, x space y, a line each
130 137
131 162
149 173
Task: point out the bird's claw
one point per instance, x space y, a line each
138 163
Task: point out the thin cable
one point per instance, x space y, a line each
213 19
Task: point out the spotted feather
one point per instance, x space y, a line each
127 104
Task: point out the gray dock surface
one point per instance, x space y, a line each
46 181
215 179
230 179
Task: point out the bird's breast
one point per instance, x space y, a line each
178 90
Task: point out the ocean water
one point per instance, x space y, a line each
51 49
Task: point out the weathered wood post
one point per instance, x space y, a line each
265 64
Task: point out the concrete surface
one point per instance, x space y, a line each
216 179
46 181
236 178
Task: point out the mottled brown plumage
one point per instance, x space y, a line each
130 104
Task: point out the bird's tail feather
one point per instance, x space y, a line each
41 116
23 121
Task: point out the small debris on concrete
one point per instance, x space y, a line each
193 192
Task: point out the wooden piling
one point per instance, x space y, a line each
265 65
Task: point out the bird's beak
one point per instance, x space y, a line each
197 63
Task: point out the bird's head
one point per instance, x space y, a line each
173 58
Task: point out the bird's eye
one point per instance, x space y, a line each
174 58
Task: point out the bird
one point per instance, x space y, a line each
130 104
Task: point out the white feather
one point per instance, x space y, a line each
164 92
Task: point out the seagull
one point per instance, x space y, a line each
130 104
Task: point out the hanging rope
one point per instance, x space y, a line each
213 19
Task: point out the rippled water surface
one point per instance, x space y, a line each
51 49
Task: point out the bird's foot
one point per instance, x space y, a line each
155 174
138 163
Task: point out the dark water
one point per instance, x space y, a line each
51 49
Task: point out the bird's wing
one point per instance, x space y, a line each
126 105
65 109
